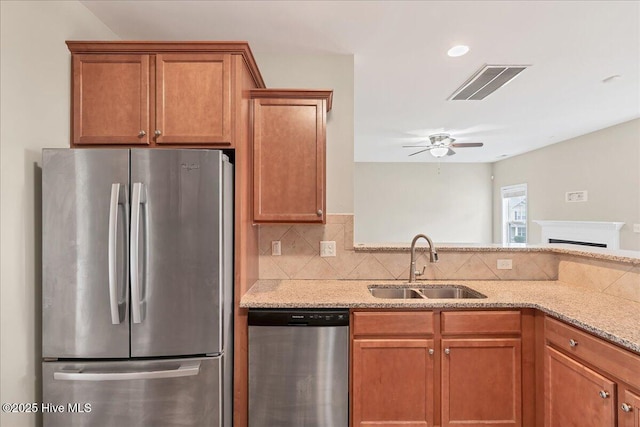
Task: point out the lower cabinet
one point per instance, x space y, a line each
630 409
487 369
436 369
393 382
481 382
588 382
576 395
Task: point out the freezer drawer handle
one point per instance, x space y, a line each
186 369
138 197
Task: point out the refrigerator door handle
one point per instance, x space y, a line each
113 253
186 369
137 198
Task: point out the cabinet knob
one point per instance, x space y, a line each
573 343
141 133
319 213
603 394
626 407
431 351
158 132
447 351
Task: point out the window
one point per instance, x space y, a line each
514 213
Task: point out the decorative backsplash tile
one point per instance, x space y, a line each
300 259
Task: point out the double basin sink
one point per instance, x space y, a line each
430 292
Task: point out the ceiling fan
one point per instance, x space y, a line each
440 145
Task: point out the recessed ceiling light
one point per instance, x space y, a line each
458 50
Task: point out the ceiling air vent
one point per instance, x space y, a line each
486 81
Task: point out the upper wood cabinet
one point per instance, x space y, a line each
289 154
110 99
193 104
135 93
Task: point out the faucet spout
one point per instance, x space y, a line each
433 256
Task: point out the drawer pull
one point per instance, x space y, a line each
603 394
573 343
447 351
626 407
431 351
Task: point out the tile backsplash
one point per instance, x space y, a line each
300 259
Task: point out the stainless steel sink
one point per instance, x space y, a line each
395 293
455 292
431 292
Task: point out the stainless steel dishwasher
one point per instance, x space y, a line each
298 368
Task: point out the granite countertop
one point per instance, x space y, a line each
619 255
609 317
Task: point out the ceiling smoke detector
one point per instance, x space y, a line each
486 81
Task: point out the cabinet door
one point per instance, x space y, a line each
289 163
630 409
110 99
393 382
193 101
481 382
576 396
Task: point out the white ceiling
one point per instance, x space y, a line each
403 75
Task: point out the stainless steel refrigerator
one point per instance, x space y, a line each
137 287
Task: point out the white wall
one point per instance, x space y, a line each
35 88
323 72
450 202
606 163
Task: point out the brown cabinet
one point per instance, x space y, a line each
588 381
289 154
629 408
576 395
392 369
151 93
481 368
110 99
425 368
481 382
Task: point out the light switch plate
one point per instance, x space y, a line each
636 228
504 264
327 248
276 248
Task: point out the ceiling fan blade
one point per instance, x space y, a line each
418 152
467 144
450 152
417 146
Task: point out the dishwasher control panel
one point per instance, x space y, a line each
306 317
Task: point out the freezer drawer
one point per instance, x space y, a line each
160 393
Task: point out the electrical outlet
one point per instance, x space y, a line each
327 248
636 228
504 264
276 248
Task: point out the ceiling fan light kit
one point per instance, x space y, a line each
439 151
440 145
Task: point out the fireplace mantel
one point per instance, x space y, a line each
582 232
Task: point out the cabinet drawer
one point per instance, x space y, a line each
481 322
392 323
605 356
